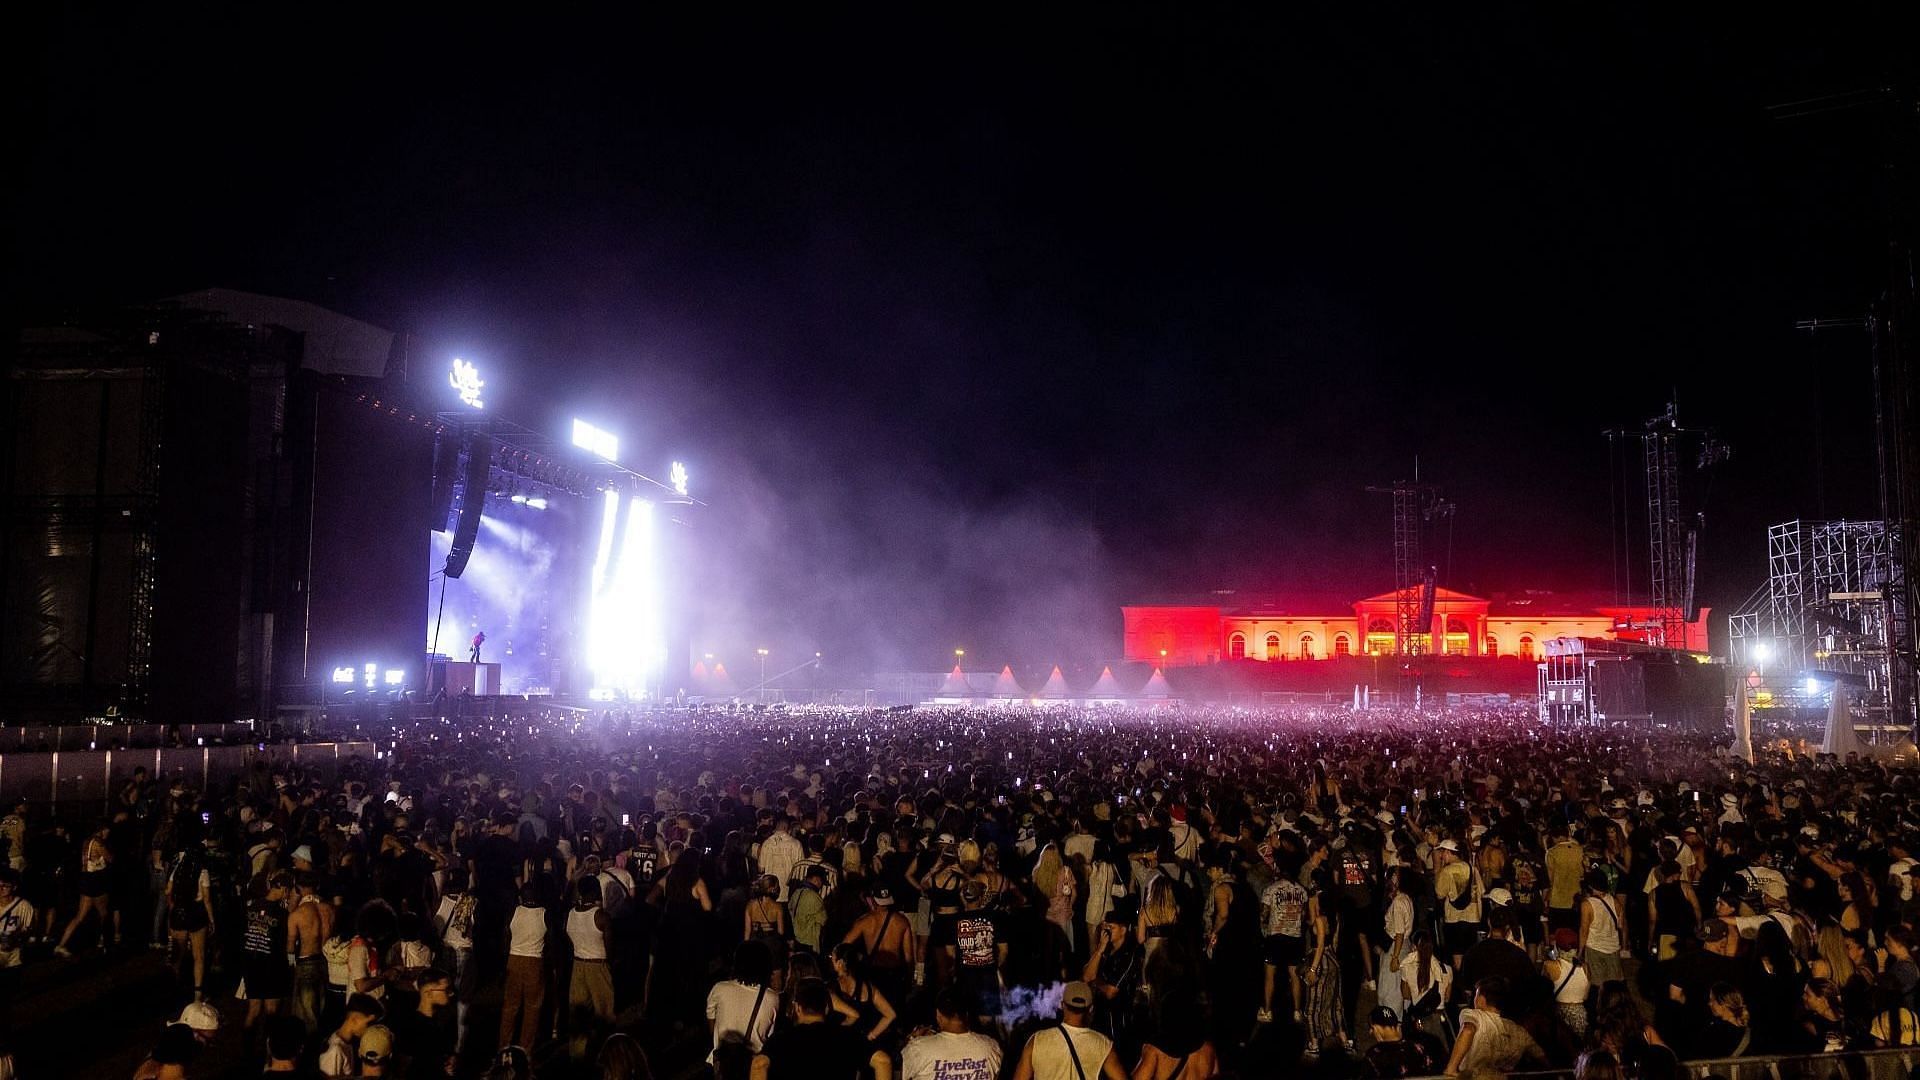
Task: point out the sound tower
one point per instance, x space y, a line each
446 463
472 500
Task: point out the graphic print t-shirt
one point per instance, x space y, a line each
977 936
1286 903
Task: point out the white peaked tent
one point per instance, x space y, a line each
1843 739
956 685
1003 684
700 677
1743 725
1056 685
1157 686
721 683
1106 686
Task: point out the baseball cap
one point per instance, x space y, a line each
1078 995
1383 1017
303 853
376 1044
1450 845
1713 930
201 1017
882 896
1500 896
1566 938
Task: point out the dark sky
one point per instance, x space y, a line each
972 327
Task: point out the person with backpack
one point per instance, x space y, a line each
190 919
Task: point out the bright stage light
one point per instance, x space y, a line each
371 670
465 380
595 441
1761 651
343 674
1813 685
536 503
627 642
678 477
395 677
521 499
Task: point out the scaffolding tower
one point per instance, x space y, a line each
1827 613
1667 583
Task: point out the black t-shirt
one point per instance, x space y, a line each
816 1050
425 1042
495 861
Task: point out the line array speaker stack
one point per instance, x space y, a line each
472 500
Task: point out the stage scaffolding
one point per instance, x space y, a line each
1822 621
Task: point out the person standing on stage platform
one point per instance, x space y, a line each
479 639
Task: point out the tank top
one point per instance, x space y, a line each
1603 930
588 943
529 932
96 858
1571 987
942 897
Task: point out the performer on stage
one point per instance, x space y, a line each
479 639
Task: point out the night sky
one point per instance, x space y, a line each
973 327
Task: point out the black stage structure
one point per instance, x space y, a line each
215 503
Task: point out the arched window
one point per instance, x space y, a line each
1526 646
1380 637
1493 645
1306 647
1273 646
1237 647
1342 645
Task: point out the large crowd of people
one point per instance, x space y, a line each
965 894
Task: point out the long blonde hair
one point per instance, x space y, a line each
1832 947
1162 907
1046 872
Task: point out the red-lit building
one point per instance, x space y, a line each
1463 625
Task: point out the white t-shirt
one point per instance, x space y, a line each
730 1005
16 921
946 1055
778 854
1399 921
1051 1061
339 1058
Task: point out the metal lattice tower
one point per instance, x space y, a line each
1415 507
1407 569
1786 592
1666 540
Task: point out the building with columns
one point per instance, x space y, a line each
1513 626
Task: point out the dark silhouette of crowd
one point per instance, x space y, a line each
978 893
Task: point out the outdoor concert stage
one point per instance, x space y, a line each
241 506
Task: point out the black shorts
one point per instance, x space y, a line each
945 929
1285 950
187 918
95 883
268 978
1458 937
982 987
